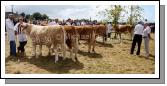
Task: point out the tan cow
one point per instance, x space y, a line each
46 35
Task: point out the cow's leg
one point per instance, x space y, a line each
104 38
93 49
89 46
115 37
71 52
56 54
49 47
34 49
40 50
63 50
120 37
93 42
76 48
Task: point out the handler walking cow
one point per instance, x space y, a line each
21 36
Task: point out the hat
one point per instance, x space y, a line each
141 22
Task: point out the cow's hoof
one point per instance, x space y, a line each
39 55
33 54
49 54
93 51
76 59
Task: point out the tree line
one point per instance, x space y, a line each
35 16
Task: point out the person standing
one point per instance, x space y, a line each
109 30
138 32
21 35
146 37
11 34
52 23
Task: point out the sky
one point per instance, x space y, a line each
74 11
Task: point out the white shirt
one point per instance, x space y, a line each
53 23
146 31
68 23
21 36
83 23
10 29
109 28
139 29
78 24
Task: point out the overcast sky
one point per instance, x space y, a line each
73 11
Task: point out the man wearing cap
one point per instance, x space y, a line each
138 31
11 34
146 37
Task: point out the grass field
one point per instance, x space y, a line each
110 58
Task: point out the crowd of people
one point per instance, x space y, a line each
64 22
141 30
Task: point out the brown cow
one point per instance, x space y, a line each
88 32
101 31
119 29
72 40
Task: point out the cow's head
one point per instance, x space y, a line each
26 28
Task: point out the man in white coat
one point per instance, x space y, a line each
11 34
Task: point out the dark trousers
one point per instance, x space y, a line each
12 48
107 36
21 46
137 39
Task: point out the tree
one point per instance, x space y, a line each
135 14
37 16
22 14
44 16
28 16
113 13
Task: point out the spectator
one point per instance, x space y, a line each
83 23
52 23
108 31
138 31
146 37
11 34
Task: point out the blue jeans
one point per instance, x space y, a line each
12 48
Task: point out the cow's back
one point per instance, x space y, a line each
46 34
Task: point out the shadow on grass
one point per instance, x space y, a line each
141 56
151 55
48 63
91 55
101 44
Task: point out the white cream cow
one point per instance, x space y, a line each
46 35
